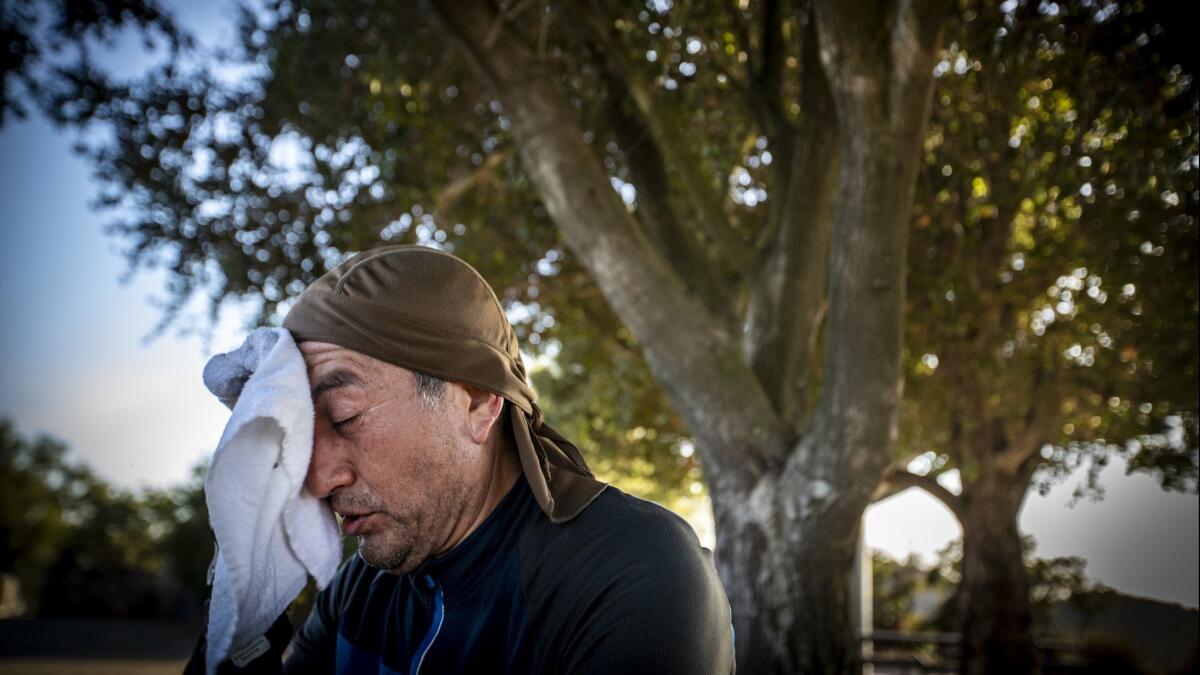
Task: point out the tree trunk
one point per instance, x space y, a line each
787 498
784 553
994 614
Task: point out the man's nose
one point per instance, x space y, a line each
327 469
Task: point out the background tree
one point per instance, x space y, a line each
108 551
187 544
1082 625
1054 295
32 525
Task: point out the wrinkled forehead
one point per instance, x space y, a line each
319 356
332 366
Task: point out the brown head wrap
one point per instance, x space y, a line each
428 311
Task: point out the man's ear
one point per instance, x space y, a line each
485 408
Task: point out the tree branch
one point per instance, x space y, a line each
899 480
787 296
453 192
907 34
695 359
690 259
862 384
915 40
770 69
704 194
766 84
679 245
761 87
1043 414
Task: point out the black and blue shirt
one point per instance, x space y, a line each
624 587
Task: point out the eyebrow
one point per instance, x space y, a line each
335 380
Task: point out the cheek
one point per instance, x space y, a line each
391 463
421 476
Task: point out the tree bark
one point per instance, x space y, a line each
994 613
785 551
787 298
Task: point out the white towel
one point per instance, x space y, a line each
271 533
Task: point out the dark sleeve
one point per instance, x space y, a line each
649 601
314 650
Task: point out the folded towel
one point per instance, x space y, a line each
271 533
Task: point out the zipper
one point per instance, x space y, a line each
439 614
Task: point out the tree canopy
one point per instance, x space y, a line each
1054 257
1050 184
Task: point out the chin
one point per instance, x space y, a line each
396 560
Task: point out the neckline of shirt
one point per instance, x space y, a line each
458 569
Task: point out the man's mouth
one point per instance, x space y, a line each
352 524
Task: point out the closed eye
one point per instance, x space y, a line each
344 424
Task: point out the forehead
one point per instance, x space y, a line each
331 366
327 355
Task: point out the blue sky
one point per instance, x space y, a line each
72 357
73 364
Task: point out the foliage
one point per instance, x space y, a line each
33 524
911 595
1053 261
63 530
900 588
36 35
187 544
256 187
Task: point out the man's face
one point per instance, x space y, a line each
399 471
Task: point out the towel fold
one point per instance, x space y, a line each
271 533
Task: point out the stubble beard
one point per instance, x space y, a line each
391 545
390 550
400 546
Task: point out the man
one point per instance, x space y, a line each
485 543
